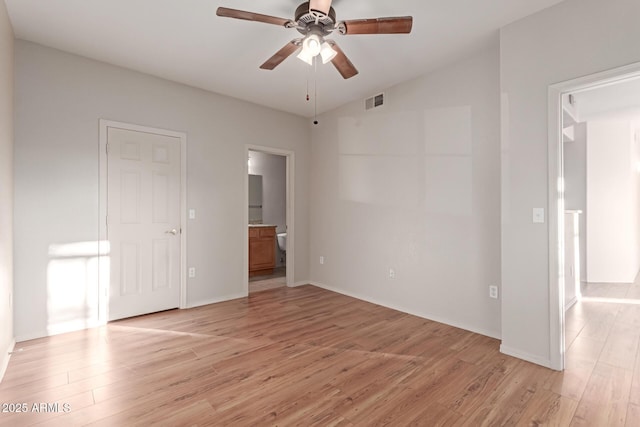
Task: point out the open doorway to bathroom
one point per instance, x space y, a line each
268 211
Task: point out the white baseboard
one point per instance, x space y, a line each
57 330
570 303
44 333
525 356
4 360
216 300
31 336
471 328
297 284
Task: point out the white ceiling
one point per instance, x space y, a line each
184 41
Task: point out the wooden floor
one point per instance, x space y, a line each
306 356
602 333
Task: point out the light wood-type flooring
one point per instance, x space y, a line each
306 356
264 283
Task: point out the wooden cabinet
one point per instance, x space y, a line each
262 250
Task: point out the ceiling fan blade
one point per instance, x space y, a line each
390 25
342 63
323 6
281 55
250 16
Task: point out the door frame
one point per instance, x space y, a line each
556 196
290 215
104 249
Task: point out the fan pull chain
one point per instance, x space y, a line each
315 90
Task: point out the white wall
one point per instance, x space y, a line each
414 186
575 180
273 169
635 194
572 39
612 187
6 187
59 101
571 261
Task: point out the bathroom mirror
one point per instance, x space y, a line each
255 199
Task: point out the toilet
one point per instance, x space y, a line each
282 241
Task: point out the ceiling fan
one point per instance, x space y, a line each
315 20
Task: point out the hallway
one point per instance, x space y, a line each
602 333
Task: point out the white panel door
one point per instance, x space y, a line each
143 222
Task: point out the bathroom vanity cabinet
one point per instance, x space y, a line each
262 250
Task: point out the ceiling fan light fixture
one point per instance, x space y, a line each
312 44
311 47
305 56
327 53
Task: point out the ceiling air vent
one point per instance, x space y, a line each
374 102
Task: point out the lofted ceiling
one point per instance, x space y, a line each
184 41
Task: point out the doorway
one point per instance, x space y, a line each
566 329
269 219
142 198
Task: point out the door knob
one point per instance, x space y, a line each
174 232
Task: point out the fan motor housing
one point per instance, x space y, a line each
308 19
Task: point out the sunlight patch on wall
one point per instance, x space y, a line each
391 134
449 161
412 159
382 181
448 131
379 165
73 285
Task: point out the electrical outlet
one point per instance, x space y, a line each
321 260
192 272
192 214
392 273
493 292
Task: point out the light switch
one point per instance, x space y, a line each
538 215
192 214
